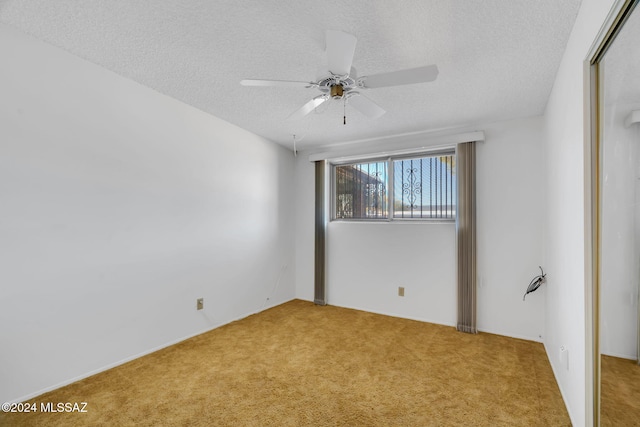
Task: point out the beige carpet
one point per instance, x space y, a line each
304 365
620 392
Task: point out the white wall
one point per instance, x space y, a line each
367 262
564 231
119 207
620 256
510 200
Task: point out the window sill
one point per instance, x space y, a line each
396 221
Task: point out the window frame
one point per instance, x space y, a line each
389 160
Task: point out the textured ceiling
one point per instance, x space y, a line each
497 58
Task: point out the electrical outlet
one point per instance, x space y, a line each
400 291
200 303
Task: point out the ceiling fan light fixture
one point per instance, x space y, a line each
337 91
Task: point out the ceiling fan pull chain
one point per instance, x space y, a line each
344 111
295 149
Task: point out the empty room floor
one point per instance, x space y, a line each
620 392
299 364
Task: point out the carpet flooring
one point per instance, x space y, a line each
304 365
620 392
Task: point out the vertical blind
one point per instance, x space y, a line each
466 235
320 296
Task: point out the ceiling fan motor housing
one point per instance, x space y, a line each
337 86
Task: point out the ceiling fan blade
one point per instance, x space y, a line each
308 107
340 49
366 106
287 83
402 77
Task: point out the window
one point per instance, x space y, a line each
423 188
361 191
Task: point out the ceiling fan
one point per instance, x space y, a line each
340 81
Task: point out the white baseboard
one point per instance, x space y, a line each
506 334
402 316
